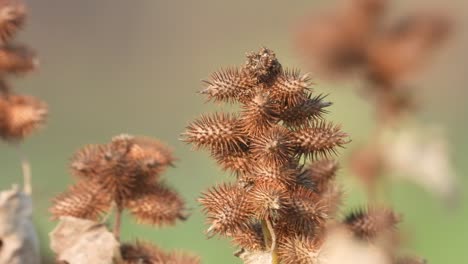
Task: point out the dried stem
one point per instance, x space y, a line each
270 239
118 221
26 168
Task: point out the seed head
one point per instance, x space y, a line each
372 221
83 200
12 17
20 116
220 133
227 208
157 205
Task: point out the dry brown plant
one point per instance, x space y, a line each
20 116
124 174
285 198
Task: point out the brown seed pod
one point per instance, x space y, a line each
149 156
238 162
318 175
280 174
157 205
332 198
83 200
17 59
230 85
89 161
258 115
308 210
219 132
274 147
250 238
305 112
290 88
298 250
370 222
263 65
227 208
318 140
267 198
12 17
20 116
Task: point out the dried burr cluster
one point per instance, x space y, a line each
20 115
285 197
125 174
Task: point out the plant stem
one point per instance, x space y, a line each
26 168
270 239
118 221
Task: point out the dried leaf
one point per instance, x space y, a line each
70 240
19 243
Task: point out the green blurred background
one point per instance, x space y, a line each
115 66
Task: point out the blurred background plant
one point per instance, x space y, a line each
142 63
355 41
20 116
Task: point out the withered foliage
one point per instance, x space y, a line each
278 147
20 115
124 172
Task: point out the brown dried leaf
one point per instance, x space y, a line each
70 240
17 235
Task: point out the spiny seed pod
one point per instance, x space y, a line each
238 162
298 250
305 112
229 85
83 200
290 88
263 65
258 115
281 174
150 156
250 238
319 140
319 174
17 59
89 161
220 132
332 198
267 199
274 147
12 17
308 210
157 205
20 116
227 208
372 221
